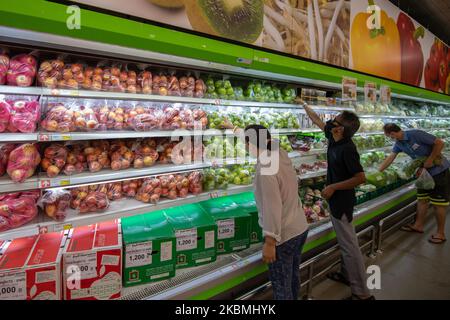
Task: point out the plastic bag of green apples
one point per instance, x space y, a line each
254 91
216 179
220 148
241 119
242 174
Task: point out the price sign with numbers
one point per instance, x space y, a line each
13 286
186 239
86 263
138 254
225 229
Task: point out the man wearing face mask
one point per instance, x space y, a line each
344 173
418 143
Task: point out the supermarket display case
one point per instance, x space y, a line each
88 151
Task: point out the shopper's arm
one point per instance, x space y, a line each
388 161
348 184
271 209
314 116
438 146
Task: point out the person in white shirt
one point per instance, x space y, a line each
281 215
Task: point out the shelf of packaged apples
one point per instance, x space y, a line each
21 207
107 95
55 164
114 209
65 120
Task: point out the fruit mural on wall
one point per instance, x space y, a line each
412 56
397 48
376 51
437 67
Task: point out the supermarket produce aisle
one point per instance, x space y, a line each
411 268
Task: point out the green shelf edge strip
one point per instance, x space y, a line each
50 17
309 246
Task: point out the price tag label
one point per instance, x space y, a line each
138 254
47 183
166 251
225 229
385 94
217 102
75 93
43 137
13 286
86 263
61 227
44 183
209 239
186 239
55 92
349 89
61 137
213 195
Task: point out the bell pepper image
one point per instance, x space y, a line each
411 50
376 51
436 67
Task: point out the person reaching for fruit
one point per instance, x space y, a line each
280 211
344 173
417 144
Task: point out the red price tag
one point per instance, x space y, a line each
213 195
43 137
44 183
42 230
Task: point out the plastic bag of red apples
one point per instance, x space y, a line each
117 77
17 209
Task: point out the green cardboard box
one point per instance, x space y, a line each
149 248
195 233
246 201
233 224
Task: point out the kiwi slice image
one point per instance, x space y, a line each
170 4
240 20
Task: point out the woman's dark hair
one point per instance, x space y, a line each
258 136
391 127
351 123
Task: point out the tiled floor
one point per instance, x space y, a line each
411 268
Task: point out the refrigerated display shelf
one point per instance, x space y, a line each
64 93
369 116
202 282
42 181
18 137
7 185
117 209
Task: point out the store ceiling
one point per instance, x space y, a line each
432 14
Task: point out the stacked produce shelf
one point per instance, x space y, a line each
64 119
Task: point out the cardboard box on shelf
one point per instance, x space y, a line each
149 248
92 262
195 233
246 201
30 267
233 224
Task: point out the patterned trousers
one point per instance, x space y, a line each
284 272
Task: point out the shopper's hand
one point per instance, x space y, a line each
328 192
428 164
269 252
227 124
